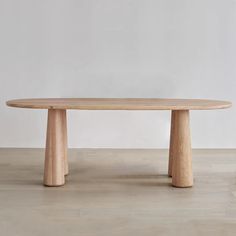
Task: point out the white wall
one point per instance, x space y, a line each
117 48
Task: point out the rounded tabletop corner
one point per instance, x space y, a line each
119 103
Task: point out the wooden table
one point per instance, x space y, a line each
180 152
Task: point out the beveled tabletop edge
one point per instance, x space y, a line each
127 103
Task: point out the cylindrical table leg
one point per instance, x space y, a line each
171 151
66 168
181 151
55 149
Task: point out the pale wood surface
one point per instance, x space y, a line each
56 149
181 150
56 164
171 146
118 193
65 144
119 104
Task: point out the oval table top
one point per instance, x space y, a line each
119 103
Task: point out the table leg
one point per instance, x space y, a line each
66 168
171 148
180 150
55 153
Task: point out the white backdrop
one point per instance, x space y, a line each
117 48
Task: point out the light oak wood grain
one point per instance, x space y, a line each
171 147
64 121
181 151
54 169
119 104
56 163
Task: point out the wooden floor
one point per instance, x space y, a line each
117 192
